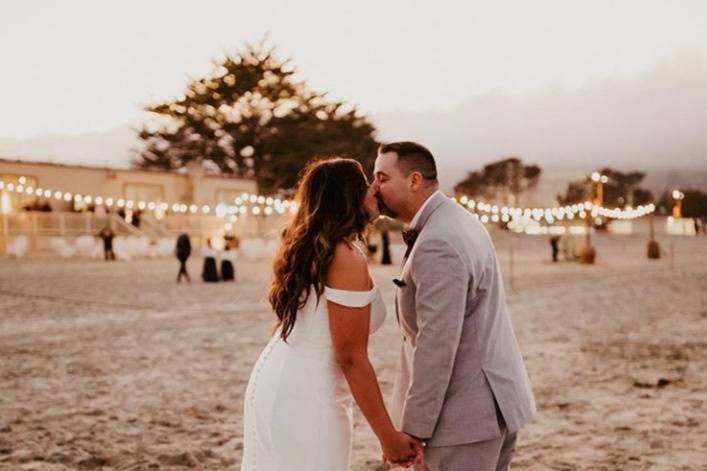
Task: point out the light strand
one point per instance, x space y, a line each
246 203
553 214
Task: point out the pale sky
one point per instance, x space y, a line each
83 66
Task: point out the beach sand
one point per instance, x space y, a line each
112 365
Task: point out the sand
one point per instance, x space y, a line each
112 365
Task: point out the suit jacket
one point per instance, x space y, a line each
459 356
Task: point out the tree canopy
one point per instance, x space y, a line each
506 178
252 118
621 189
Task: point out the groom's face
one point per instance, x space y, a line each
391 185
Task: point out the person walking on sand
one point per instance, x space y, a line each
183 251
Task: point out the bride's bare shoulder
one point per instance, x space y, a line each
349 254
349 267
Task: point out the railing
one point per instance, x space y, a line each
65 224
153 228
62 224
120 227
246 226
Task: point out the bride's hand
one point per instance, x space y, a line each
401 449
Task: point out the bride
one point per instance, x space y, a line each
298 403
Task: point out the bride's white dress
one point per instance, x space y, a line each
298 406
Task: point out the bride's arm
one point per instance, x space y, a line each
349 328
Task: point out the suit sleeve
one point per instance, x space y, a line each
442 282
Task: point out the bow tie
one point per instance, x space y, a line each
409 237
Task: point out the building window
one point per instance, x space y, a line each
144 192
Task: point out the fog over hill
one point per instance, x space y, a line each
654 122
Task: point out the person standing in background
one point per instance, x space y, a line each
227 266
107 235
554 243
209 273
183 251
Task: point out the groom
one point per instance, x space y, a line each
461 385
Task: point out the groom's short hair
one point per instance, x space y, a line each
413 157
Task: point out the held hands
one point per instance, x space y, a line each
401 449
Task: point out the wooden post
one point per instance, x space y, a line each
33 224
588 254
653 247
672 255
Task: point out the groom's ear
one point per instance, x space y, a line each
416 181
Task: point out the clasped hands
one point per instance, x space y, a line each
401 449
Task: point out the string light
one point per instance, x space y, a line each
266 205
551 214
261 205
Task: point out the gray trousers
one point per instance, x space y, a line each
489 455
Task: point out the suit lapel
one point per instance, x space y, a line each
434 203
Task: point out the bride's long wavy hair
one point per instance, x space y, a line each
330 199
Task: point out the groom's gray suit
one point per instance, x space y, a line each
461 385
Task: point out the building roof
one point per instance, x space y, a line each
182 171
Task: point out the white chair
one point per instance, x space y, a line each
61 247
86 246
142 246
56 244
121 248
165 247
18 247
162 248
